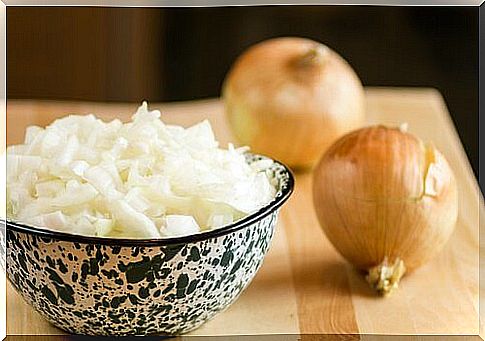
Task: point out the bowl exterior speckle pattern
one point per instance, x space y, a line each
118 290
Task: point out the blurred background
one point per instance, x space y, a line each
172 54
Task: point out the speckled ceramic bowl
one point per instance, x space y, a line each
101 286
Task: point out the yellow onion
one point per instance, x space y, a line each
291 98
386 201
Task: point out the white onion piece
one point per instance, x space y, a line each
31 133
179 225
141 179
103 226
134 224
49 188
103 180
79 167
76 196
18 164
55 220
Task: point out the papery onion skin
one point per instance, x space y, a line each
381 195
290 98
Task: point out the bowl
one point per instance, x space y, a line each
108 286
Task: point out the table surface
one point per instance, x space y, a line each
304 285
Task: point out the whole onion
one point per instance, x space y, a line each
290 98
387 202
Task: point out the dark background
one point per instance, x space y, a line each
130 54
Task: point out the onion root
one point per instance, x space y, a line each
384 278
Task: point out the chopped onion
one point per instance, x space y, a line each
141 179
176 225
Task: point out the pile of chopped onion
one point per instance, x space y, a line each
142 179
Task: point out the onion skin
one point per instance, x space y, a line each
381 195
291 98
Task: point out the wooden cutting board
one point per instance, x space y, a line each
304 286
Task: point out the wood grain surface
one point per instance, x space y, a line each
304 287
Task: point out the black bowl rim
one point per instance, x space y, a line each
276 203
